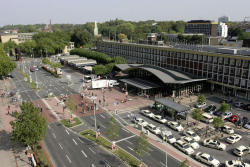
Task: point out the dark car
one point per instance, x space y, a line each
210 108
218 113
226 101
246 107
242 121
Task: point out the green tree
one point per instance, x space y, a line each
185 163
126 28
109 67
201 99
122 37
113 129
9 46
197 114
29 126
70 104
6 64
99 70
218 122
28 46
119 60
224 107
81 37
142 146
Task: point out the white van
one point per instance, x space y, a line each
207 118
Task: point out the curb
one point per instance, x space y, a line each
46 154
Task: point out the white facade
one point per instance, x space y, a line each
96 30
222 30
223 19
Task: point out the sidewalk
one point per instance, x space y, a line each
179 156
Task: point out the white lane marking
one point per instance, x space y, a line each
130 148
93 165
107 164
84 154
162 164
68 158
49 127
54 135
67 131
92 150
60 146
129 142
102 116
74 141
125 130
80 140
125 138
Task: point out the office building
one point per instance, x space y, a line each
205 27
222 30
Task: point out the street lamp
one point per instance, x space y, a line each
93 100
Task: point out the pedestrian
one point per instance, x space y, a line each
100 101
57 103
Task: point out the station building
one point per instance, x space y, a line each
225 73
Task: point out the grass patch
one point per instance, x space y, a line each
66 122
123 155
41 157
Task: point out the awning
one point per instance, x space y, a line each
170 104
140 83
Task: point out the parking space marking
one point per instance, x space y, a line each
102 116
74 141
93 165
54 135
162 164
67 131
80 140
125 138
92 151
68 159
84 154
129 142
130 148
60 146
125 130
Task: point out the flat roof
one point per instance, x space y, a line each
140 83
84 63
170 104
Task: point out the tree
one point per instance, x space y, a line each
201 99
99 70
122 37
9 46
119 60
224 107
218 122
185 163
29 126
126 28
197 114
142 146
28 46
81 37
6 64
113 129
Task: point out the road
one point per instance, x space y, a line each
68 149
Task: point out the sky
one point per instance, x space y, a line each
82 11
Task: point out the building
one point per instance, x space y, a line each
222 30
223 19
17 37
225 72
96 30
69 47
205 27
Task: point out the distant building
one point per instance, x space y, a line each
222 30
48 27
96 29
68 48
205 27
151 40
16 37
223 19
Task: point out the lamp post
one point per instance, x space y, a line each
93 100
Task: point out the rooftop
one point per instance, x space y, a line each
170 104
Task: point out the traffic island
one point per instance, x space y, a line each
27 79
123 155
69 124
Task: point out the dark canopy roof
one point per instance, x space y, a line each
140 83
170 104
165 75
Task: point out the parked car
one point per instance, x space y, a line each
247 125
14 99
226 115
175 125
158 118
207 159
189 140
210 108
140 121
246 107
227 129
32 69
167 136
241 150
238 104
184 147
242 121
202 105
147 113
218 113
192 134
152 128
226 100
234 118
212 143
236 163
233 138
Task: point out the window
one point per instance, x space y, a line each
226 70
221 60
245 64
238 63
209 59
232 62
215 60
226 61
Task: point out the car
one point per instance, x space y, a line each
247 125
191 142
238 104
212 143
241 150
152 128
167 136
236 163
32 69
226 115
233 138
202 105
140 121
184 147
226 101
14 99
192 134
242 121
227 129
218 113
207 159
175 125
246 107
147 113
234 118
210 108
158 118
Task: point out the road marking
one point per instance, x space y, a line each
60 146
54 135
49 127
92 150
68 158
107 164
130 148
67 131
93 165
162 164
80 140
125 138
129 142
102 116
84 154
125 130
74 141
